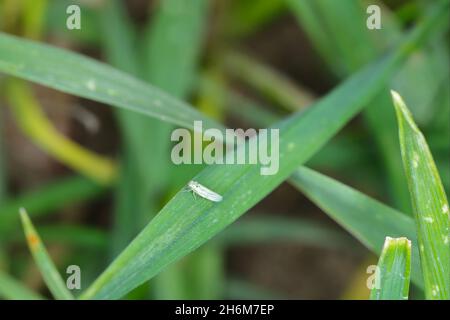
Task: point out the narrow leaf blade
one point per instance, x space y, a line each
430 205
84 77
394 268
365 218
12 289
49 272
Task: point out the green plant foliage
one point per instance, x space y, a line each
184 223
393 271
13 289
430 205
240 63
84 77
48 270
366 219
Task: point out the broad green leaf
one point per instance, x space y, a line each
186 223
366 219
394 268
81 76
430 204
12 289
48 269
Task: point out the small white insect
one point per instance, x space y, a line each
203 191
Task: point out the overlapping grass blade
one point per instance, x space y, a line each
50 197
3 174
170 51
274 85
184 223
430 204
366 219
271 230
337 29
12 289
48 270
75 74
37 126
131 196
74 235
394 268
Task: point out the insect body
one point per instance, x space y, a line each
204 192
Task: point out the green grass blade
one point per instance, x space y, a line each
394 268
272 230
186 223
245 17
49 272
430 204
33 122
172 45
48 198
335 30
77 236
170 52
78 75
269 82
258 116
131 196
171 49
3 172
366 219
12 289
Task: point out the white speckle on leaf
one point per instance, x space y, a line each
445 209
434 290
415 160
428 219
422 249
91 84
111 92
445 238
291 146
